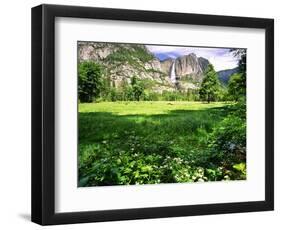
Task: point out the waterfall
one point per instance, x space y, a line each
173 76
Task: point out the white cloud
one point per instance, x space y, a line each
225 61
165 49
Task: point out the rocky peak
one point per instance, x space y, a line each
203 62
192 55
190 64
166 65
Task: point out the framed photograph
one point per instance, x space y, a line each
142 114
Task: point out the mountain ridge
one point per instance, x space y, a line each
122 61
224 75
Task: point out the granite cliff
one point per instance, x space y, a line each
123 61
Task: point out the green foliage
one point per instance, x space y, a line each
113 94
89 81
126 92
222 94
237 82
210 86
229 137
139 92
227 142
137 88
237 86
190 95
154 142
240 167
142 53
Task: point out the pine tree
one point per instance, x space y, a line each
210 86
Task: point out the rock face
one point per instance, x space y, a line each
166 66
187 65
123 61
203 62
192 66
187 68
95 51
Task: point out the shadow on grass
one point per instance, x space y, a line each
95 127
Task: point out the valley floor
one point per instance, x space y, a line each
147 142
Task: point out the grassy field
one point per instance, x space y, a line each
147 142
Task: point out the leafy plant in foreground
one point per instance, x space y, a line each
228 142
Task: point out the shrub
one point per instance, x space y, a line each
227 142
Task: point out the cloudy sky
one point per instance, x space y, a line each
221 58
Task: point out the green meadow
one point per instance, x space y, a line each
148 142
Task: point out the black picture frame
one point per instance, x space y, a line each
43 114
